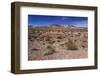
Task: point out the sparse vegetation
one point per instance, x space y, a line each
59 37
42 38
83 46
58 40
48 38
50 51
66 43
55 42
71 45
35 49
51 42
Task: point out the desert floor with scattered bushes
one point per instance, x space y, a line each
52 42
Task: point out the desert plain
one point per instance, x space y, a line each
57 42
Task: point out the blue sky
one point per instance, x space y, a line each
43 20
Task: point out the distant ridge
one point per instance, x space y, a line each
71 26
58 25
61 25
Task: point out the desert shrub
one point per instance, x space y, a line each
66 43
75 40
59 37
61 44
71 45
48 38
35 49
41 38
34 36
72 36
50 51
50 48
58 40
39 33
83 46
84 40
51 42
30 38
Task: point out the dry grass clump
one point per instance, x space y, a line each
71 45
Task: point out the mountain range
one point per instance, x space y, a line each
57 25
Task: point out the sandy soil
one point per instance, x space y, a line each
38 47
64 54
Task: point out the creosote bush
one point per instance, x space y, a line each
71 45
